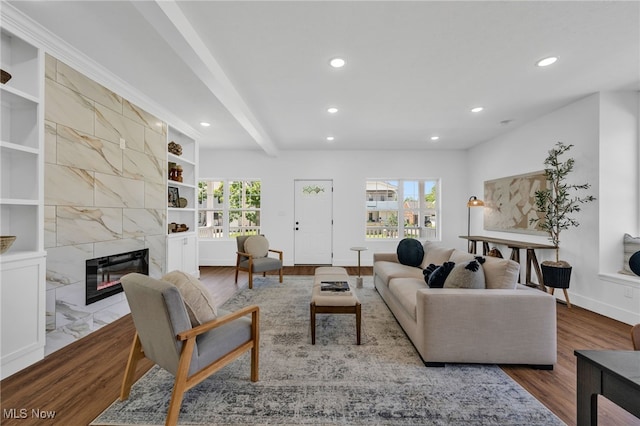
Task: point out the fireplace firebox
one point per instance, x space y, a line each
103 274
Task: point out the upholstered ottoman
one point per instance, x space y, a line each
327 302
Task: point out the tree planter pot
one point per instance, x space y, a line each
556 276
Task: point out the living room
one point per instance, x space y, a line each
601 124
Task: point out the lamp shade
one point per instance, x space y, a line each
475 202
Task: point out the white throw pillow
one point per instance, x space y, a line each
466 275
256 246
200 305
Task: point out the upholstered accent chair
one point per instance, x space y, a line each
166 335
253 256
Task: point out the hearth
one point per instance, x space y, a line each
103 274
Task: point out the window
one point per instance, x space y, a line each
227 208
402 209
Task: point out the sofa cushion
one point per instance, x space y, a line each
469 275
459 256
198 301
388 270
439 274
500 273
435 254
405 289
631 245
410 252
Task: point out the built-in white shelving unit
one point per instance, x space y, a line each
182 247
22 267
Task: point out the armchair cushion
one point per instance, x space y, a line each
257 246
197 299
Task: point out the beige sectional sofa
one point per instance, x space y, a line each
504 323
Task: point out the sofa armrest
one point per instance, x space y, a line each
496 326
386 257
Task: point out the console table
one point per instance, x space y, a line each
612 374
515 247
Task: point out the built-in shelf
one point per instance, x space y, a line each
22 266
182 247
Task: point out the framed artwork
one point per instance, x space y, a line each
173 197
509 203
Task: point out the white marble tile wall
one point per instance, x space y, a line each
100 198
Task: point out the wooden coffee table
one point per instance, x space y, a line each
322 303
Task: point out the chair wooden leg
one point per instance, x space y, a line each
358 322
135 354
180 386
255 351
280 274
312 312
236 275
250 279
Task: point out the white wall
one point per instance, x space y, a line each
349 170
604 130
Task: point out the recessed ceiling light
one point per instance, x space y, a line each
332 110
546 61
337 62
435 138
477 109
205 124
330 138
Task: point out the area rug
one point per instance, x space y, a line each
334 382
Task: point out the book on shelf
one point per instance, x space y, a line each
336 286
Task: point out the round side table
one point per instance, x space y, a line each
359 279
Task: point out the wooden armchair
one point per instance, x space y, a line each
164 334
252 256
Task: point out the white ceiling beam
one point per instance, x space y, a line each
171 23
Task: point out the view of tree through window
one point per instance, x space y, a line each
402 209
228 208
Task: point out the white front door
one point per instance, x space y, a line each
313 222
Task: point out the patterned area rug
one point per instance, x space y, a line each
334 382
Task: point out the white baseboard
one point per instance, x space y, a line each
610 311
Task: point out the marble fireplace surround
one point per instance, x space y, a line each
100 199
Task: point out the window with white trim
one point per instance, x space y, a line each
227 208
402 208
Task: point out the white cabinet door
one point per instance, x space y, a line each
174 254
182 254
22 299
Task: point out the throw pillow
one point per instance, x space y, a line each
470 275
438 276
199 303
410 252
634 263
631 245
435 254
257 246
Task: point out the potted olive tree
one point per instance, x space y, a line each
554 205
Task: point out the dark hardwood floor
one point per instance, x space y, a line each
81 380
